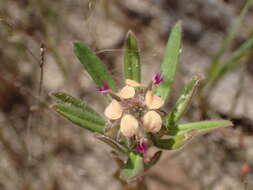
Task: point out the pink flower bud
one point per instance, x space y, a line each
141 148
105 88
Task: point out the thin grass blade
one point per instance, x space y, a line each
215 65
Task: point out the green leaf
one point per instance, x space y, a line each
70 100
132 66
216 62
81 118
155 158
170 61
183 101
202 126
133 167
93 66
113 143
174 143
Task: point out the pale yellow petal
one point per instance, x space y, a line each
132 83
153 101
129 125
152 122
114 110
126 92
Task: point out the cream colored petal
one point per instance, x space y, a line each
126 92
132 83
152 122
113 110
153 101
129 125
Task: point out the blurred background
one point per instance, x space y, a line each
40 150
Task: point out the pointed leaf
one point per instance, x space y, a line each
70 100
174 143
132 67
170 61
155 158
133 167
183 102
93 66
113 143
202 126
82 118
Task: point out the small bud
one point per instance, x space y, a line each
141 148
153 101
105 88
157 79
114 110
152 122
132 83
126 92
129 125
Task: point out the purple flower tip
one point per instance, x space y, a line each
157 79
141 148
104 88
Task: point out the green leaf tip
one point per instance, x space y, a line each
183 102
133 168
132 65
170 61
112 143
199 127
94 66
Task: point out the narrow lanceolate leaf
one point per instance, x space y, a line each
94 66
133 168
81 118
202 126
174 143
183 102
170 61
132 67
72 101
113 143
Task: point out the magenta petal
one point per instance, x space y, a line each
157 79
104 88
141 148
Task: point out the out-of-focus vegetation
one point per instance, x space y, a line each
41 151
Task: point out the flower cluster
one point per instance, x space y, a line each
136 109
